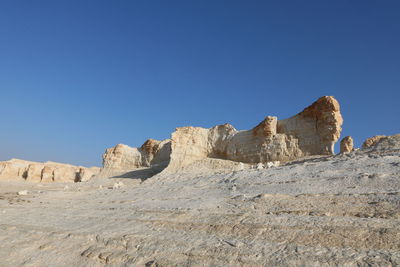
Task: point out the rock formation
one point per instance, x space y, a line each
44 172
381 143
122 158
372 141
313 131
346 145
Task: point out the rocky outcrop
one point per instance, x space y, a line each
44 172
372 141
317 127
313 131
122 158
346 145
381 143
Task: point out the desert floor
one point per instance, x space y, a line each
330 211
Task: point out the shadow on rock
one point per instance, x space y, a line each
142 174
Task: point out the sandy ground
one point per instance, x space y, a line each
336 211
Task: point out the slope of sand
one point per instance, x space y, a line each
329 211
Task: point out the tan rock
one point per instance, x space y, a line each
313 131
85 174
44 172
372 141
317 127
188 144
122 157
155 152
47 174
34 173
13 169
267 127
383 143
66 174
346 145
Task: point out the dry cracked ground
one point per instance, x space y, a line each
331 211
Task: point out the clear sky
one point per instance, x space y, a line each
77 77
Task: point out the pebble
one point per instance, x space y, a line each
23 192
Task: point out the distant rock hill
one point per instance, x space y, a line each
45 172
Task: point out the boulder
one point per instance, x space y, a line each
346 145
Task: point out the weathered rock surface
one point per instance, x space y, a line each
372 140
313 131
346 145
382 143
122 158
44 172
316 128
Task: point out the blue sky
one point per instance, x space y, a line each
77 77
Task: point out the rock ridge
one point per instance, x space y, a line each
313 131
45 172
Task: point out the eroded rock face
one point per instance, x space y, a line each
267 127
123 158
313 131
372 141
34 172
44 172
346 145
382 143
317 127
47 174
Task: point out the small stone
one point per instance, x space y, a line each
118 185
240 166
23 192
272 164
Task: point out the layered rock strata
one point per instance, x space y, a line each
45 172
313 131
125 158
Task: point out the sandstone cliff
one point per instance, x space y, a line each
44 172
313 131
122 158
